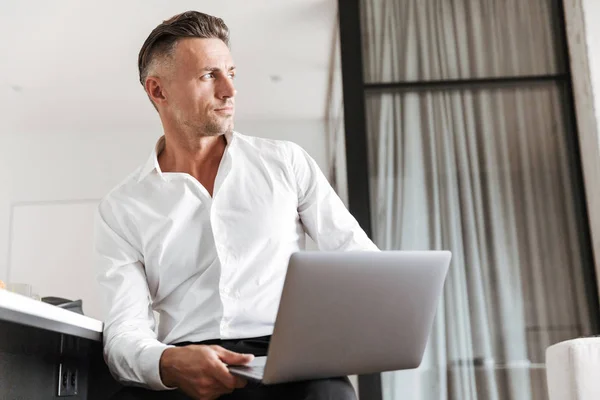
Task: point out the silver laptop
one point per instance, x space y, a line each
347 313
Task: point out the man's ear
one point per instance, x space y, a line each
155 89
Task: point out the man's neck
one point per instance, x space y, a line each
192 156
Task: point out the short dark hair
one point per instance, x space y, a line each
162 40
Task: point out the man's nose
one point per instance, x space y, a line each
226 88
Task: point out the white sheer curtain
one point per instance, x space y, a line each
485 173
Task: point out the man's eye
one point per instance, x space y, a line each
232 76
208 76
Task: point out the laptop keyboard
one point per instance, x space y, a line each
254 370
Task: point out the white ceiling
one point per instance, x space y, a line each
71 65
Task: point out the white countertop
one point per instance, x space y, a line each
26 311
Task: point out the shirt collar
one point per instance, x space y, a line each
152 165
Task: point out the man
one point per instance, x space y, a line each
202 233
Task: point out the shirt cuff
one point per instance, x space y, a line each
150 363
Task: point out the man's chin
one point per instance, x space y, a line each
218 130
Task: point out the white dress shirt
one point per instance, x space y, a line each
212 267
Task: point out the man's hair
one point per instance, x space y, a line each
162 40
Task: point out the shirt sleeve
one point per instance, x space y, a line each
131 348
323 214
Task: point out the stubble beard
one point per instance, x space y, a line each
210 127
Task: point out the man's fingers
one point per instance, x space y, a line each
222 374
210 383
219 368
240 382
232 358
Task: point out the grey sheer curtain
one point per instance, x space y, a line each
486 173
410 40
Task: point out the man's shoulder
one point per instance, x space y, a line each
126 189
263 144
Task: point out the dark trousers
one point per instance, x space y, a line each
321 389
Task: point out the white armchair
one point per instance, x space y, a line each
573 369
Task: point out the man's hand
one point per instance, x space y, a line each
200 371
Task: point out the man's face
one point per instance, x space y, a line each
199 87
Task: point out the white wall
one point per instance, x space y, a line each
52 184
336 141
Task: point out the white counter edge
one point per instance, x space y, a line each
26 311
